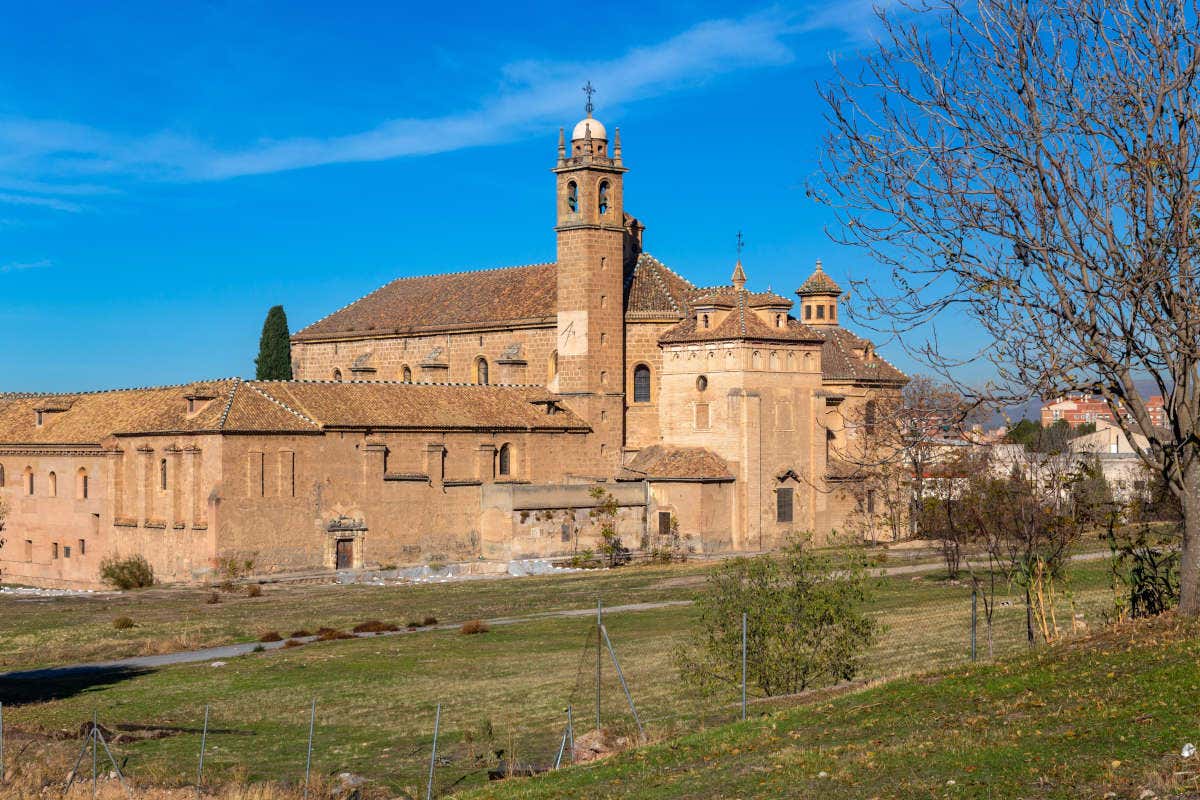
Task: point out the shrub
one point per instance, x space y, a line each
474 626
127 573
254 590
807 623
413 625
290 643
258 648
429 621
331 634
375 626
270 636
300 634
213 599
123 623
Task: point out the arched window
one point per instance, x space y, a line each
406 374
704 320
504 461
481 371
869 418
29 481
81 485
603 197
337 375
779 320
52 485
572 197
756 360
552 367
641 384
162 474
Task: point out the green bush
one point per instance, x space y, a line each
127 573
806 622
123 623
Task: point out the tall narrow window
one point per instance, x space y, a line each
481 371
54 550
820 312
869 418
1 475
552 367
52 485
81 484
641 384
406 374
83 547
504 461
572 197
870 501
603 197
29 481
704 320
337 375
808 312
783 505
162 475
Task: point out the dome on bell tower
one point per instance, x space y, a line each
589 125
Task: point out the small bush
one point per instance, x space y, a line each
270 636
473 626
300 634
258 648
127 573
375 626
123 623
290 643
254 590
431 620
413 625
331 634
213 599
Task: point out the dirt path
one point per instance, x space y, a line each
234 650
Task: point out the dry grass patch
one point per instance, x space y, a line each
375 626
270 636
474 626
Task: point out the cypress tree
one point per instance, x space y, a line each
274 362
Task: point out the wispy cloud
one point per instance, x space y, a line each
21 266
52 164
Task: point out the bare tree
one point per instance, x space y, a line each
899 439
1034 166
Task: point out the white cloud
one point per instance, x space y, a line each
50 163
21 266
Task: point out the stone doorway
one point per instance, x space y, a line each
344 558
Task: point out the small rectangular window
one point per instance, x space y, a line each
29 549
701 416
54 550
66 551
83 547
783 505
820 312
808 312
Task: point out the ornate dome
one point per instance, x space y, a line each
597 129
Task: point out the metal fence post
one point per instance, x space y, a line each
743 666
571 733
312 724
437 722
203 742
621 678
95 765
2 743
974 618
599 644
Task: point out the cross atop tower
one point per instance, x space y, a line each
741 243
589 90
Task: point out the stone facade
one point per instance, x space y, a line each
468 416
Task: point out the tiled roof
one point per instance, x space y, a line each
840 362
279 407
440 302
818 283
664 462
655 290
740 323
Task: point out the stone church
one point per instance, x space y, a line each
467 417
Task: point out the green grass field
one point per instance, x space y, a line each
503 690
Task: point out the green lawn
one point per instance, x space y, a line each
503 690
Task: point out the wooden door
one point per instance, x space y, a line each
345 553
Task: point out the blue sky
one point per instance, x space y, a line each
168 171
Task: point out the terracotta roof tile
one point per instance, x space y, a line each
818 284
440 302
654 289
665 462
741 323
840 361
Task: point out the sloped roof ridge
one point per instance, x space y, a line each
228 404
417 277
408 383
658 279
668 269
284 406
93 392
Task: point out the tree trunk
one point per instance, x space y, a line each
1189 562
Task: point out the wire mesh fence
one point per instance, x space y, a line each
607 687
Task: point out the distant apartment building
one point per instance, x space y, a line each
1081 409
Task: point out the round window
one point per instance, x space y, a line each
702 383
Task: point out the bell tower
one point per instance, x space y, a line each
591 304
